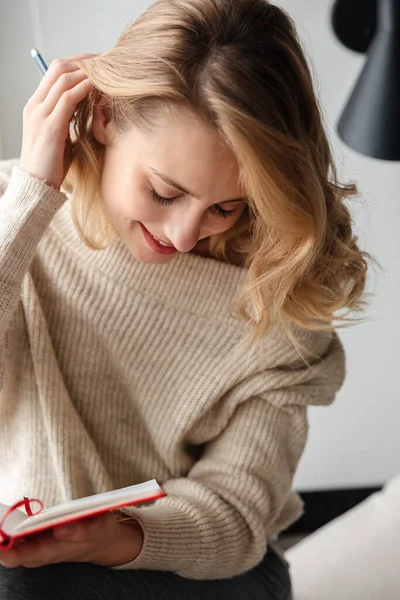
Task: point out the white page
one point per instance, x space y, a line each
13 520
82 506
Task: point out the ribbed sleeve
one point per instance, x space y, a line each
216 522
26 209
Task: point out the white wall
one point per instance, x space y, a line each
355 442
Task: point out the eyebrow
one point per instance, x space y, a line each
179 187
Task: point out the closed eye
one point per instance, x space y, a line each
169 201
161 199
222 212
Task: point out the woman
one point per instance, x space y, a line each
189 348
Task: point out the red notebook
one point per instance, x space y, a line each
16 524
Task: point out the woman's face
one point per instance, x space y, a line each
167 188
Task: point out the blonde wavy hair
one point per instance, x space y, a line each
238 65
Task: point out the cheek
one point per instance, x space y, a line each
128 201
141 207
123 189
219 224
222 225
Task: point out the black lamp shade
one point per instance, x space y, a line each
370 122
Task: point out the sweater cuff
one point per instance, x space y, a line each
171 539
25 192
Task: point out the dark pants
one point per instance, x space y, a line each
270 580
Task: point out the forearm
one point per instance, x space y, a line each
26 209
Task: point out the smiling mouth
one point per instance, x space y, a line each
155 244
161 242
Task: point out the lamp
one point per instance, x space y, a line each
370 121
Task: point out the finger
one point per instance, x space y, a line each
43 549
86 530
55 70
52 547
65 82
77 57
47 548
66 106
10 558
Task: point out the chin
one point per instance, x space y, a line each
142 253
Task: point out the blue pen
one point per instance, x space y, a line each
37 57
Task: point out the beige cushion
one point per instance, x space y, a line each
356 556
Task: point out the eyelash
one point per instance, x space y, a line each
168 201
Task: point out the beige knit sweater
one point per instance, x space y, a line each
114 371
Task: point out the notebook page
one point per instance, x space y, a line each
12 521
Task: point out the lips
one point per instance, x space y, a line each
161 241
155 244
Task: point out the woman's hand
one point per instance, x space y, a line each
100 540
46 145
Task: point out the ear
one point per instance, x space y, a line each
103 128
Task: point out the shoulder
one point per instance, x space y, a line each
6 168
301 346
307 369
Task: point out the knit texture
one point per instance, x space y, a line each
114 371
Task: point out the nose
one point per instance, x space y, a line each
183 231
